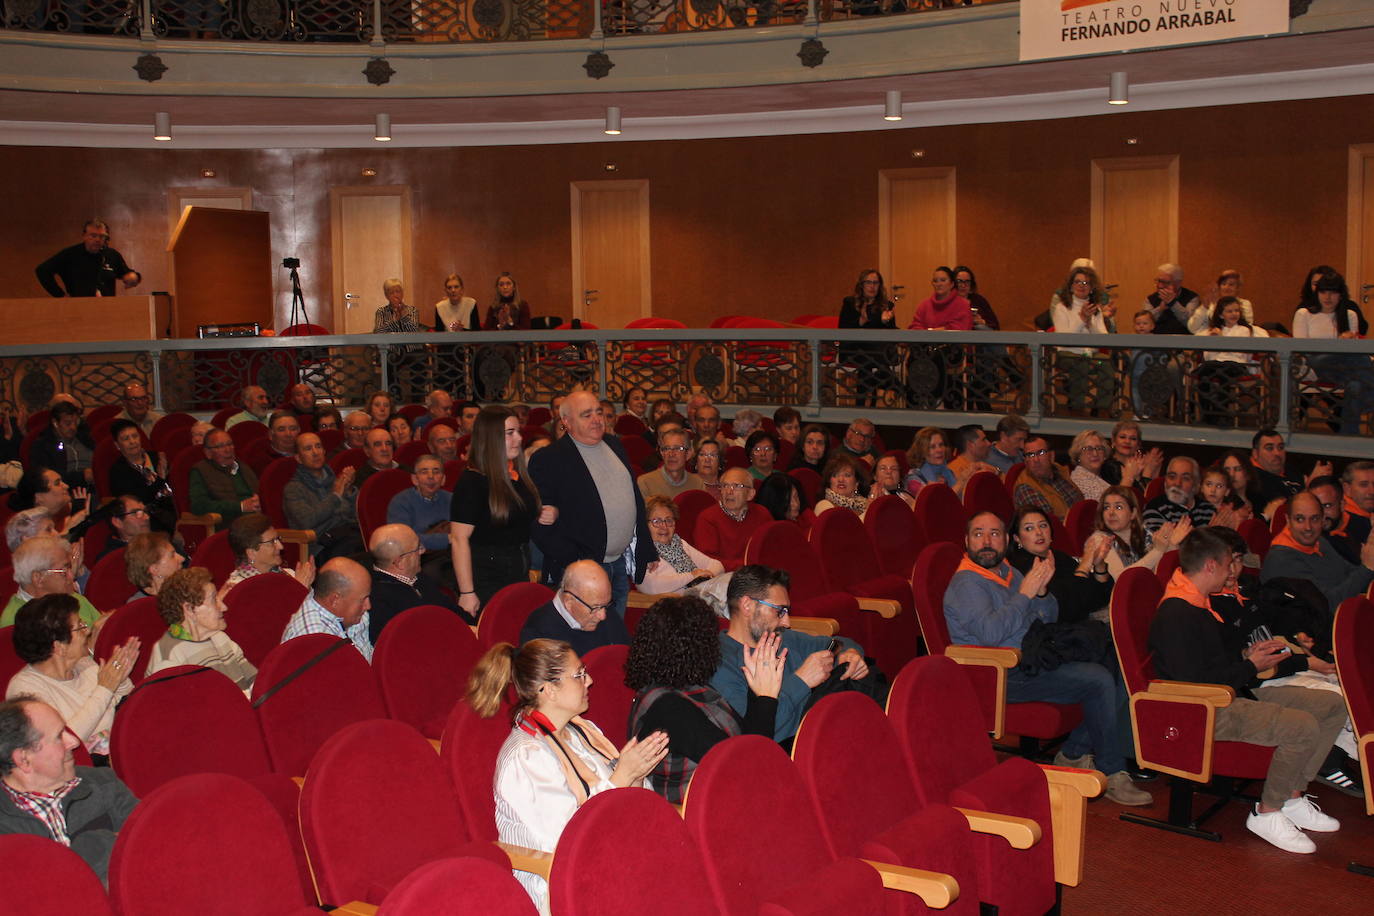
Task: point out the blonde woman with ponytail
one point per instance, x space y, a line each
554 760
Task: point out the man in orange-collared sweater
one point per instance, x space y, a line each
1300 551
1357 507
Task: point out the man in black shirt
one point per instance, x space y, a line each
89 268
1270 482
578 612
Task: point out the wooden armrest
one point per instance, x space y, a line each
936 889
1366 750
886 607
297 535
473 628
524 859
1219 695
994 655
815 626
298 780
356 908
1070 790
639 599
434 742
209 519
1020 832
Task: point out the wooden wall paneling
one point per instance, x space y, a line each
610 251
1359 257
371 242
917 211
1134 224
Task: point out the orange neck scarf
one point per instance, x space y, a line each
967 565
1350 511
1285 539
1180 586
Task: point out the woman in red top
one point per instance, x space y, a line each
945 310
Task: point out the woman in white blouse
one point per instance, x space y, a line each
1228 285
1228 379
554 760
1081 306
455 312
1335 317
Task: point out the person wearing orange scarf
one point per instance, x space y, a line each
990 603
1190 642
1300 551
1357 508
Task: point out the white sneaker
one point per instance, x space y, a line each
1277 829
1305 814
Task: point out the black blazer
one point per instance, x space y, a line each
545 622
580 532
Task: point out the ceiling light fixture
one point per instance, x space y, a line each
162 126
613 121
1117 95
382 128
892 111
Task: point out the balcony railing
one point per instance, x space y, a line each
431 20
1061 383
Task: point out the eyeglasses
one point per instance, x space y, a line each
358 429
579 675
855 432
82 627
275 540
763 449
1082 283
139 511
1040 453
782 609
663 522
594 608
420 549
735 486
1094 448
673 448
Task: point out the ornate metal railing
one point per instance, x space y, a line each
1321 390
430 20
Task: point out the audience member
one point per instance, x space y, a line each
709 465
990 603
494 504
253 400
257 550
1128 465
51 635
300 401
887 481
812 665
966 285
1171 304
425 507
1118 515
637 404
585 621
845 482
137 408
45 566
671 477
443 441
398 581
973 444
336 606
455 312
1179 498
65 446
149 560
194 613
380 448
944 309
1300 552
438 406
142 476
1087 453
1336 317
1006 451
356 427
1043 483
509 311
199 430
47 795
761 448
1081 587
220 484
316 499
1190 642
327 418
858 441
554 759
679 564
1270 483
1357 505
723 530
43 489
673 656
587 476
706 424
282 430
814 446
869 308
400 430
788 423
928 458
1080 306
29 523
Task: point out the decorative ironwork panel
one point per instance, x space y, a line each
484 20
288 20
1236 395
29 382
549 369
1332 392
90 17
769 372
659 367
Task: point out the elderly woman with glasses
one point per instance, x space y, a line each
194 614
257 548
50 635
762 449
1087 454
554 759
679 563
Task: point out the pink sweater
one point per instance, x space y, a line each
952 314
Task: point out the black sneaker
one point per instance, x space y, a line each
1342 779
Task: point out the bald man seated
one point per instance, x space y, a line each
398 581
577 614
337 605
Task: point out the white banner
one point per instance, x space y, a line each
1069 28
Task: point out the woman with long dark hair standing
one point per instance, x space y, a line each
494 504
869 308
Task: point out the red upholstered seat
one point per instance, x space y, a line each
161 436
1078 524
1164 570
609 701
1173 737
934 570
223 414
505 613
719 808
108 586
850 564
482 886
935 715
637 449
866 803
215 554
231 850
258 610
272 481
783 545
374 496
43 878
138 618
690 504
179 476
10 662
1353 640
348 458
422 660
985 492
810 483
627 425
939 514
246 433
375 806
1257 536
603 864
893 533
335 691
1009 480
468 751
412 451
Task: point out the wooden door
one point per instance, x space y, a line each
1134 224
370 233
1359 258
916 231
610 252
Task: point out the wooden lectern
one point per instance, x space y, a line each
223 265
85 318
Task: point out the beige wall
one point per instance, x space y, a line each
771 226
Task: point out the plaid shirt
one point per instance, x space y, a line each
315 618
47 808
